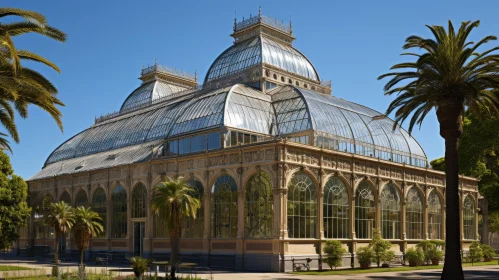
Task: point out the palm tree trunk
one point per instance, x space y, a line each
56 253
82 253
450 118
175 245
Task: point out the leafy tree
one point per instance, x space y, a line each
21 86
450 76
88 223
380 247
14 209
488 252
475 253
59 216
426 246
334 253
173 200
365 255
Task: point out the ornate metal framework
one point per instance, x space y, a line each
390 212
99 205
258 210
365 211
434 216
302 207
414 215
139 201
336 209
469 218
81 199
193 228
224 207
119 210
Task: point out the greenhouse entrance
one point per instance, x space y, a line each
138 238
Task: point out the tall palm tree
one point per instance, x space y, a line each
59 216
88 223
20 86
173 200
450 76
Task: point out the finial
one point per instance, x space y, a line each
195 75
260 11
155 64
290 25
235 20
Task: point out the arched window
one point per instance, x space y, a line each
336 209
302 207
81 199
469 218
365 211
99 206
40 205
224 207
434 216
414 215
258 206
65 197
390 212
139 201
119 213
193 228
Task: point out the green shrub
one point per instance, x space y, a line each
488 252
380 247
475 253
414 256
435 254
439 243
334 253
388 256
365 255
139 265
426 246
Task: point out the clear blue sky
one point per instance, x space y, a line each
349 42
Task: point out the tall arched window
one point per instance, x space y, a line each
65 197
193 228
414 215
40 205
365 211
224 207
434 216
258 206
336 209
390 212
119 213
99 206
139 201
81 199
469 218
302 207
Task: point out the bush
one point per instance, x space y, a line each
488 252
139 265
475 254
380 248
414 256
388 256
334 253
435 255
439 243
426 246
365 255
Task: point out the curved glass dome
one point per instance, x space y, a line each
258 50
147 93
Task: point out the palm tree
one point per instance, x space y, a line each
59 216
20 86
173 200
452 77
87 224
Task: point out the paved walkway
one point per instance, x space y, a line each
477 272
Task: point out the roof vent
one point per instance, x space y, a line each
111 157
80 165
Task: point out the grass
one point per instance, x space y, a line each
14 268
382 269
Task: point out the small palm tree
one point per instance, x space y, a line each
173 200
452 77
20 86
88 223
59 216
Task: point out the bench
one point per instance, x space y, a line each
301 264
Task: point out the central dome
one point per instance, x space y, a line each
260 50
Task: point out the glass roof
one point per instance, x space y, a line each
258 50
147 93
287 111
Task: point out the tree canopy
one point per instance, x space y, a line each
14 208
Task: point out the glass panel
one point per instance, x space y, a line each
81 199
414 215
390 212
224 208
99 206
434 216
336 209
139 201
119 213
193 228
302 207
160 226
365 211
469 218
258 206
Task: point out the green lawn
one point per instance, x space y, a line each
14 268
389 269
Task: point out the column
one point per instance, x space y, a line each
403 218
352 215
320 204
240 213
425 220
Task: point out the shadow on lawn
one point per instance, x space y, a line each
490 273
